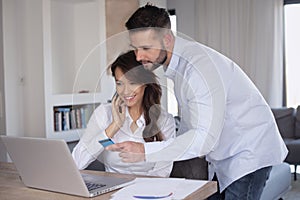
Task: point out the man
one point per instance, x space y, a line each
224 116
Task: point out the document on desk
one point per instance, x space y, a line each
158 188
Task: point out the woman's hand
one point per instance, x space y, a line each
118 110
118 113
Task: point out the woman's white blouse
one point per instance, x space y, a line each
89 149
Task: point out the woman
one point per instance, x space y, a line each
134 115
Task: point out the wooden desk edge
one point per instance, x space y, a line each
205 191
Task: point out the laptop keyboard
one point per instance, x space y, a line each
93 186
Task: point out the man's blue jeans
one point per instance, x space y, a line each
249 187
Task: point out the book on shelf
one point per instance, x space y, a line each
57 121
78 118
71 117
66 119
62 118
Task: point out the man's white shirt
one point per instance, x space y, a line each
223 116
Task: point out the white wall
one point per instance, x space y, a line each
75 32
23 67
13 72
2 102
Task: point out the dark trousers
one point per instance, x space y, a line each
248 187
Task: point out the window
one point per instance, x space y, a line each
292 49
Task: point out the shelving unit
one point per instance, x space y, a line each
75 64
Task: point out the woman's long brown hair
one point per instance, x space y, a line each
135 72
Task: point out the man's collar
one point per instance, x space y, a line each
170 70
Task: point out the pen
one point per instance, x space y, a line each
152 197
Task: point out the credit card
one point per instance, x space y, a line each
106 142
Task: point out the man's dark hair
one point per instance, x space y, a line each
149 16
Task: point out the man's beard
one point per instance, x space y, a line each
159 61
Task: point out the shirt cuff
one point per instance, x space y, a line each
153 147
95 147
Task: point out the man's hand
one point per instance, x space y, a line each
130 152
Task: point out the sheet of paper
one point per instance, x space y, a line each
158 187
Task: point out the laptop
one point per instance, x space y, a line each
47 164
